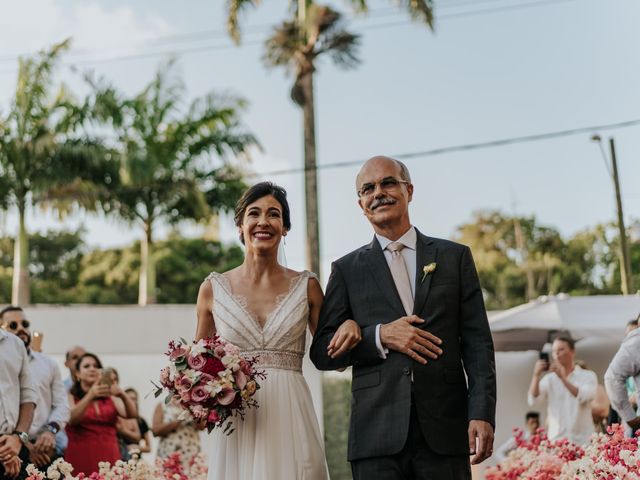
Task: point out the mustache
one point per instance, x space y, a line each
381 201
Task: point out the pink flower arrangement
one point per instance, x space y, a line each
608 456
211 380
169 468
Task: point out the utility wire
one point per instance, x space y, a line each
465 147
259 29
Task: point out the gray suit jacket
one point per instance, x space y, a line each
450 301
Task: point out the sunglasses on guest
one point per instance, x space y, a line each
14 325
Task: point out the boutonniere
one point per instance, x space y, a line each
427 269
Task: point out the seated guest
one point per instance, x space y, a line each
143 444
532 423
127 428
53 406
175 435
96 404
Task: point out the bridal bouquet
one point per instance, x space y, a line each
211 381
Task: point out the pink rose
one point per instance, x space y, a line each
184 384
185 396
199 394
226 396
205 378
219 351
177 353
231 349
241 379
196 362
213 417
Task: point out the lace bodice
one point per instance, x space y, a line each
280 342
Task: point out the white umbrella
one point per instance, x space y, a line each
530 326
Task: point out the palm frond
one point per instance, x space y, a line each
420 10
234 9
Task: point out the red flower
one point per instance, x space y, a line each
213 366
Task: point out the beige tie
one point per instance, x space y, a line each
401 276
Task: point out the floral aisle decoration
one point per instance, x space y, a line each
608 456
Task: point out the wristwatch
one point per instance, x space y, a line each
52 427
23 436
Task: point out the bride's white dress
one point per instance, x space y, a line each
281 439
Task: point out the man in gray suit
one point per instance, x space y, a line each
419 305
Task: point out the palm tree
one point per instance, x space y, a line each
168 172
296 44
44 156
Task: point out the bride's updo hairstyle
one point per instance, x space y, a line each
258 191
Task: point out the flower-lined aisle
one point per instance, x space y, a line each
169 468
607 457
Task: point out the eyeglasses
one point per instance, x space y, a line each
14 325
386 185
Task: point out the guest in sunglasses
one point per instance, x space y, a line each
53 406
17 403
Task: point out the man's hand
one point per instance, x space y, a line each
46 443
39 459
12 467
540 367
346 337
480 440
558 369
401 336
9 447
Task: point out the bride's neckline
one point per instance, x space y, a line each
243 303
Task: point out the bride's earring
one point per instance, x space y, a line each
284 238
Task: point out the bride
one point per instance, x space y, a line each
265 308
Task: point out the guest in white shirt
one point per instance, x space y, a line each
625 364
53 405
568 390
17 403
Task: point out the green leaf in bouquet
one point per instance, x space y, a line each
167 399
183 341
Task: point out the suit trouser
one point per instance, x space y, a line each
24 456
416 461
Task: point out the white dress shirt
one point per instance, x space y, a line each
568 416
53 402
409 240
16 387
625 364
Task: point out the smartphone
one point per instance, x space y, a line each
544 356
107 377
36 341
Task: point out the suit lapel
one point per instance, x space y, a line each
377 263
425 254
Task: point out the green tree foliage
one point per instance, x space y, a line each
336 400
175 163
585 264
63 270
46 158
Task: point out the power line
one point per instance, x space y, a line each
465 147
258 29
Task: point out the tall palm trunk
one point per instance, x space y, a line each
20 294
147 283
311 174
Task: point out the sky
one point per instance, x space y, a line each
493 69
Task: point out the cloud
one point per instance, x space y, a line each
97 30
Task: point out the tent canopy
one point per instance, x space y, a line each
531 325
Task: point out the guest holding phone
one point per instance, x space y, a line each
568 390
96 404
